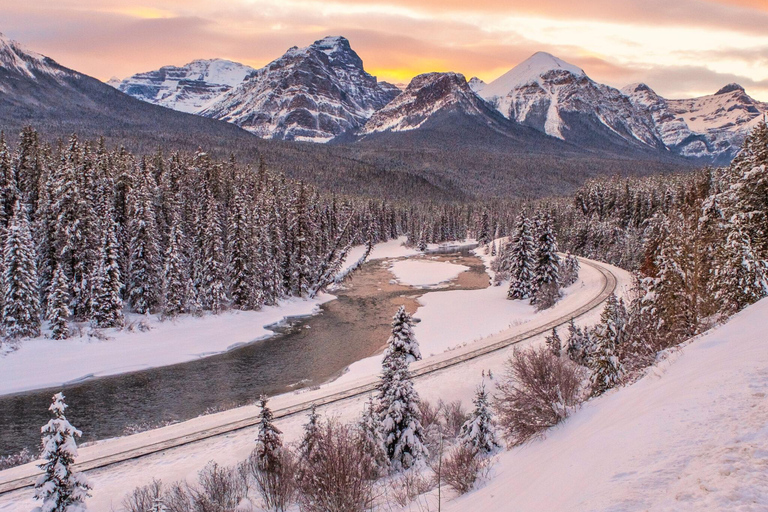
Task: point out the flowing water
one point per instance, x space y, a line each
307 352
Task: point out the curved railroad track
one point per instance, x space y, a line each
13 483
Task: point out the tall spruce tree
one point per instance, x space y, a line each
59 487
21 305
144 282
108 305
546 272
58 312
521 261
398 404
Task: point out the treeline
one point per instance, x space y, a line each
697 243
89 233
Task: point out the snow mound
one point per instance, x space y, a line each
691 435
425 273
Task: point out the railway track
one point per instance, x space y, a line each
609 286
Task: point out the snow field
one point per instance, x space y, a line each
425 273
457 383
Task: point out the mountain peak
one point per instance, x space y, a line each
730 88
529 71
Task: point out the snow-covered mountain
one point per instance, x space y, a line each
426 96
314 93
559 99
476 84
17 60
710 127
188 88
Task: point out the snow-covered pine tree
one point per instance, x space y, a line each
402 340
546 275
269 441
553 343
107 308
21 305
311 429
742 277
569 270
479 432
609 336
58 305
144 281
577 343
212 273
177 280
59 487
241 256
521 261
398 408
371 442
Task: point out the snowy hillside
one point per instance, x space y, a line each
711 127
188 88
692 435
314 93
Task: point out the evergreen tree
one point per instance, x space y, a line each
402 340
398 408
609 340
521 261
177 279
59 487
21 306
570 270
546 277
144 285
58 305
311 429
108 306
269 442
577 343
478 432
371 442
212 274
742 278
241 275
554 343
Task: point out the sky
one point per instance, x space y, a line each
681 48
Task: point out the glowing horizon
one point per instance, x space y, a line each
680 49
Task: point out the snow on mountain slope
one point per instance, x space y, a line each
711 127
476 85
692 435
425 96
559 99
17 59
188 88
314 93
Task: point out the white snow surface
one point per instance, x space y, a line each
425 273
528 71
459 383
692 435
167 342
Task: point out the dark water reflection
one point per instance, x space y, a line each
309 352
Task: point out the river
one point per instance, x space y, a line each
306 353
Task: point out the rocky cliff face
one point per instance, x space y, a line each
560 100
314 93
187 88
710 127
425 97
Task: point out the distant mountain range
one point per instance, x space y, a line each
435 140
322 93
